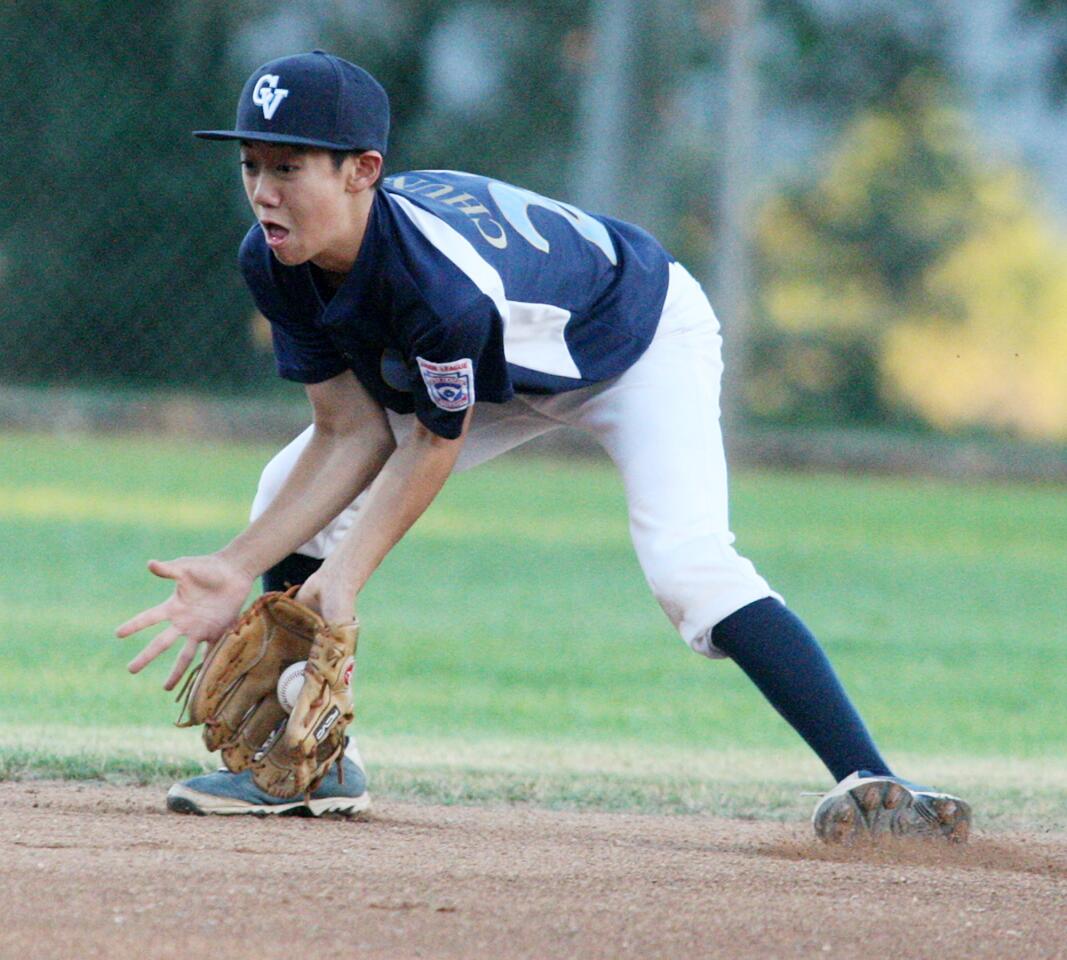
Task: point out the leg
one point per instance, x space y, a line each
660 424
783 659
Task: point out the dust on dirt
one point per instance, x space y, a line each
93 870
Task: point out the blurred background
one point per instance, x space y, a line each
874 193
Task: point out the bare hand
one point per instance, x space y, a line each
208 595
329 595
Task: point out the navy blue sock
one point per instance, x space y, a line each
294 569
781 657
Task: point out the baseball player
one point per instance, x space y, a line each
438 319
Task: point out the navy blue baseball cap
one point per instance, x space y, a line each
313 99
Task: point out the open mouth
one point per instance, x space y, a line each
275 232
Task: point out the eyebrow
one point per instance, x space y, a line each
293 149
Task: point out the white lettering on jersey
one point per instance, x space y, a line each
514 203
533 332
491 230
266 94
450 385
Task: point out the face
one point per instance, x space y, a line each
300 200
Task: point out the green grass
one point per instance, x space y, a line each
515 613
752 784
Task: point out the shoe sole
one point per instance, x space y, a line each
180 799
878 808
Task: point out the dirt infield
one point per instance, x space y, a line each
90 870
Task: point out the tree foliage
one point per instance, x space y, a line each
108 270
1051 15
991 349
847 57
908 279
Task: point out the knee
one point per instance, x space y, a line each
699 582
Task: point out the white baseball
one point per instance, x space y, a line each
290 684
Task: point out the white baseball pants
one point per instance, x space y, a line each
659 423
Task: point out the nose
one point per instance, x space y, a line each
264 193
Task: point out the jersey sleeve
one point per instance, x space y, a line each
457 361
302 351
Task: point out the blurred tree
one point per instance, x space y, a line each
910 279
822 64
992 349
630 66
843 256
731 265
846 57
1052 15
118 232
108 272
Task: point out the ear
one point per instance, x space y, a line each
363 171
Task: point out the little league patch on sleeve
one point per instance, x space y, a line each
450 385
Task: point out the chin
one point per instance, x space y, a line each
289 258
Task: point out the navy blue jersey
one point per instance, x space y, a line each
466 289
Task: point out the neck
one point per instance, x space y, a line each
340 257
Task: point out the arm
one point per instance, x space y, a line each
400 494
350 443
348 448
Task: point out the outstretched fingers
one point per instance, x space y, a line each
207 597
156 614
146 618
162 642
181 664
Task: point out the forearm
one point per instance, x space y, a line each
333 469
400 494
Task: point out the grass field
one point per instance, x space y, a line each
511 650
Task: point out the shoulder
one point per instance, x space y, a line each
434 186
444 209
433 251
435 201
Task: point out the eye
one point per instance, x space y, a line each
286 168
248 166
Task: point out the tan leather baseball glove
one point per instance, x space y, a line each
233 693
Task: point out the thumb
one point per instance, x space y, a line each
169 570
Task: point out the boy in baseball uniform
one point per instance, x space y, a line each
438 319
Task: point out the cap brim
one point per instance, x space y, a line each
271 138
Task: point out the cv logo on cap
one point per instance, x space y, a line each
266 94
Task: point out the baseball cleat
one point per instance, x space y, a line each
228 793
864 805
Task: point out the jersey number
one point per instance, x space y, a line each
514 202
